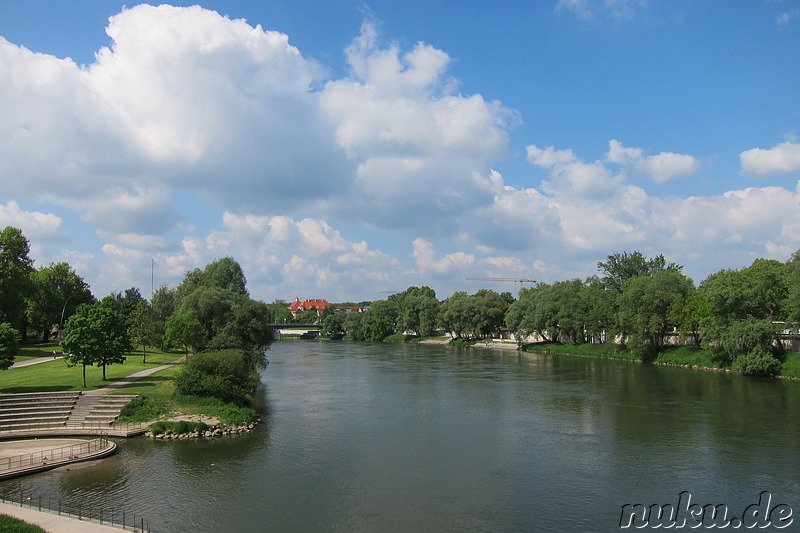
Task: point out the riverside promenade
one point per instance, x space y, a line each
55 523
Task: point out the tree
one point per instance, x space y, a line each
333 325
417 309
124 302
185 330
645 305
740 324
9 345
15 278
621 267
96 335
164 304
143 327
225 274
57 292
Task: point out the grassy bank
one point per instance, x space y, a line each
157 398
688 356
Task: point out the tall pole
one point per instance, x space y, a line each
152 277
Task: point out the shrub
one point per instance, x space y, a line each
143 408
181 427
229 375
758 362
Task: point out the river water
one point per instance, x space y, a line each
417 438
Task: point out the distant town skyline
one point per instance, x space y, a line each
340 150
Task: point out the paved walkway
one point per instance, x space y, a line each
54 523
122 383
36 360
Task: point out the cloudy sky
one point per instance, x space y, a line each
341 149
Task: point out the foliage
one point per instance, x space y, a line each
228 375
333 325
417 310
184 330
225 274
179 428
124 302
57 292
15 277
621 267
757 362
143 327
374 324
143 408
9 345
164 304
96 335
644 309
474 316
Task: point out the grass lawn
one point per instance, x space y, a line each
57 376
10 524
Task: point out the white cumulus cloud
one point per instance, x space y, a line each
781 159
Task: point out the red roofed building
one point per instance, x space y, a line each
298 306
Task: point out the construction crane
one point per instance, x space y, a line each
521 281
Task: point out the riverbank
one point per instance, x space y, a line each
689 357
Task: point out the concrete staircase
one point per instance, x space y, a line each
98 410
34 411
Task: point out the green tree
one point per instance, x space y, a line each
164 304
417 310
645 305
184 330
740 324
373 324
143 327
9 345
225 274
621 267
96 335
57 293
333 325
15 278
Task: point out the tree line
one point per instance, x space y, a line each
210 310
639 301
635 300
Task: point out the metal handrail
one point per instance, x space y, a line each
53 455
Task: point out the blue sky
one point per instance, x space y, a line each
341 149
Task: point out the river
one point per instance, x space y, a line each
421 438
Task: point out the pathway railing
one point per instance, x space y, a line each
104 426
113 516
53 455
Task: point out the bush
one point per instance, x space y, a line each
758 362
143 408
229 375
179 428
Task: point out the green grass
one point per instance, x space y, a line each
34 350
607 351
687 355
397 337
790 367
10 524
57 376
